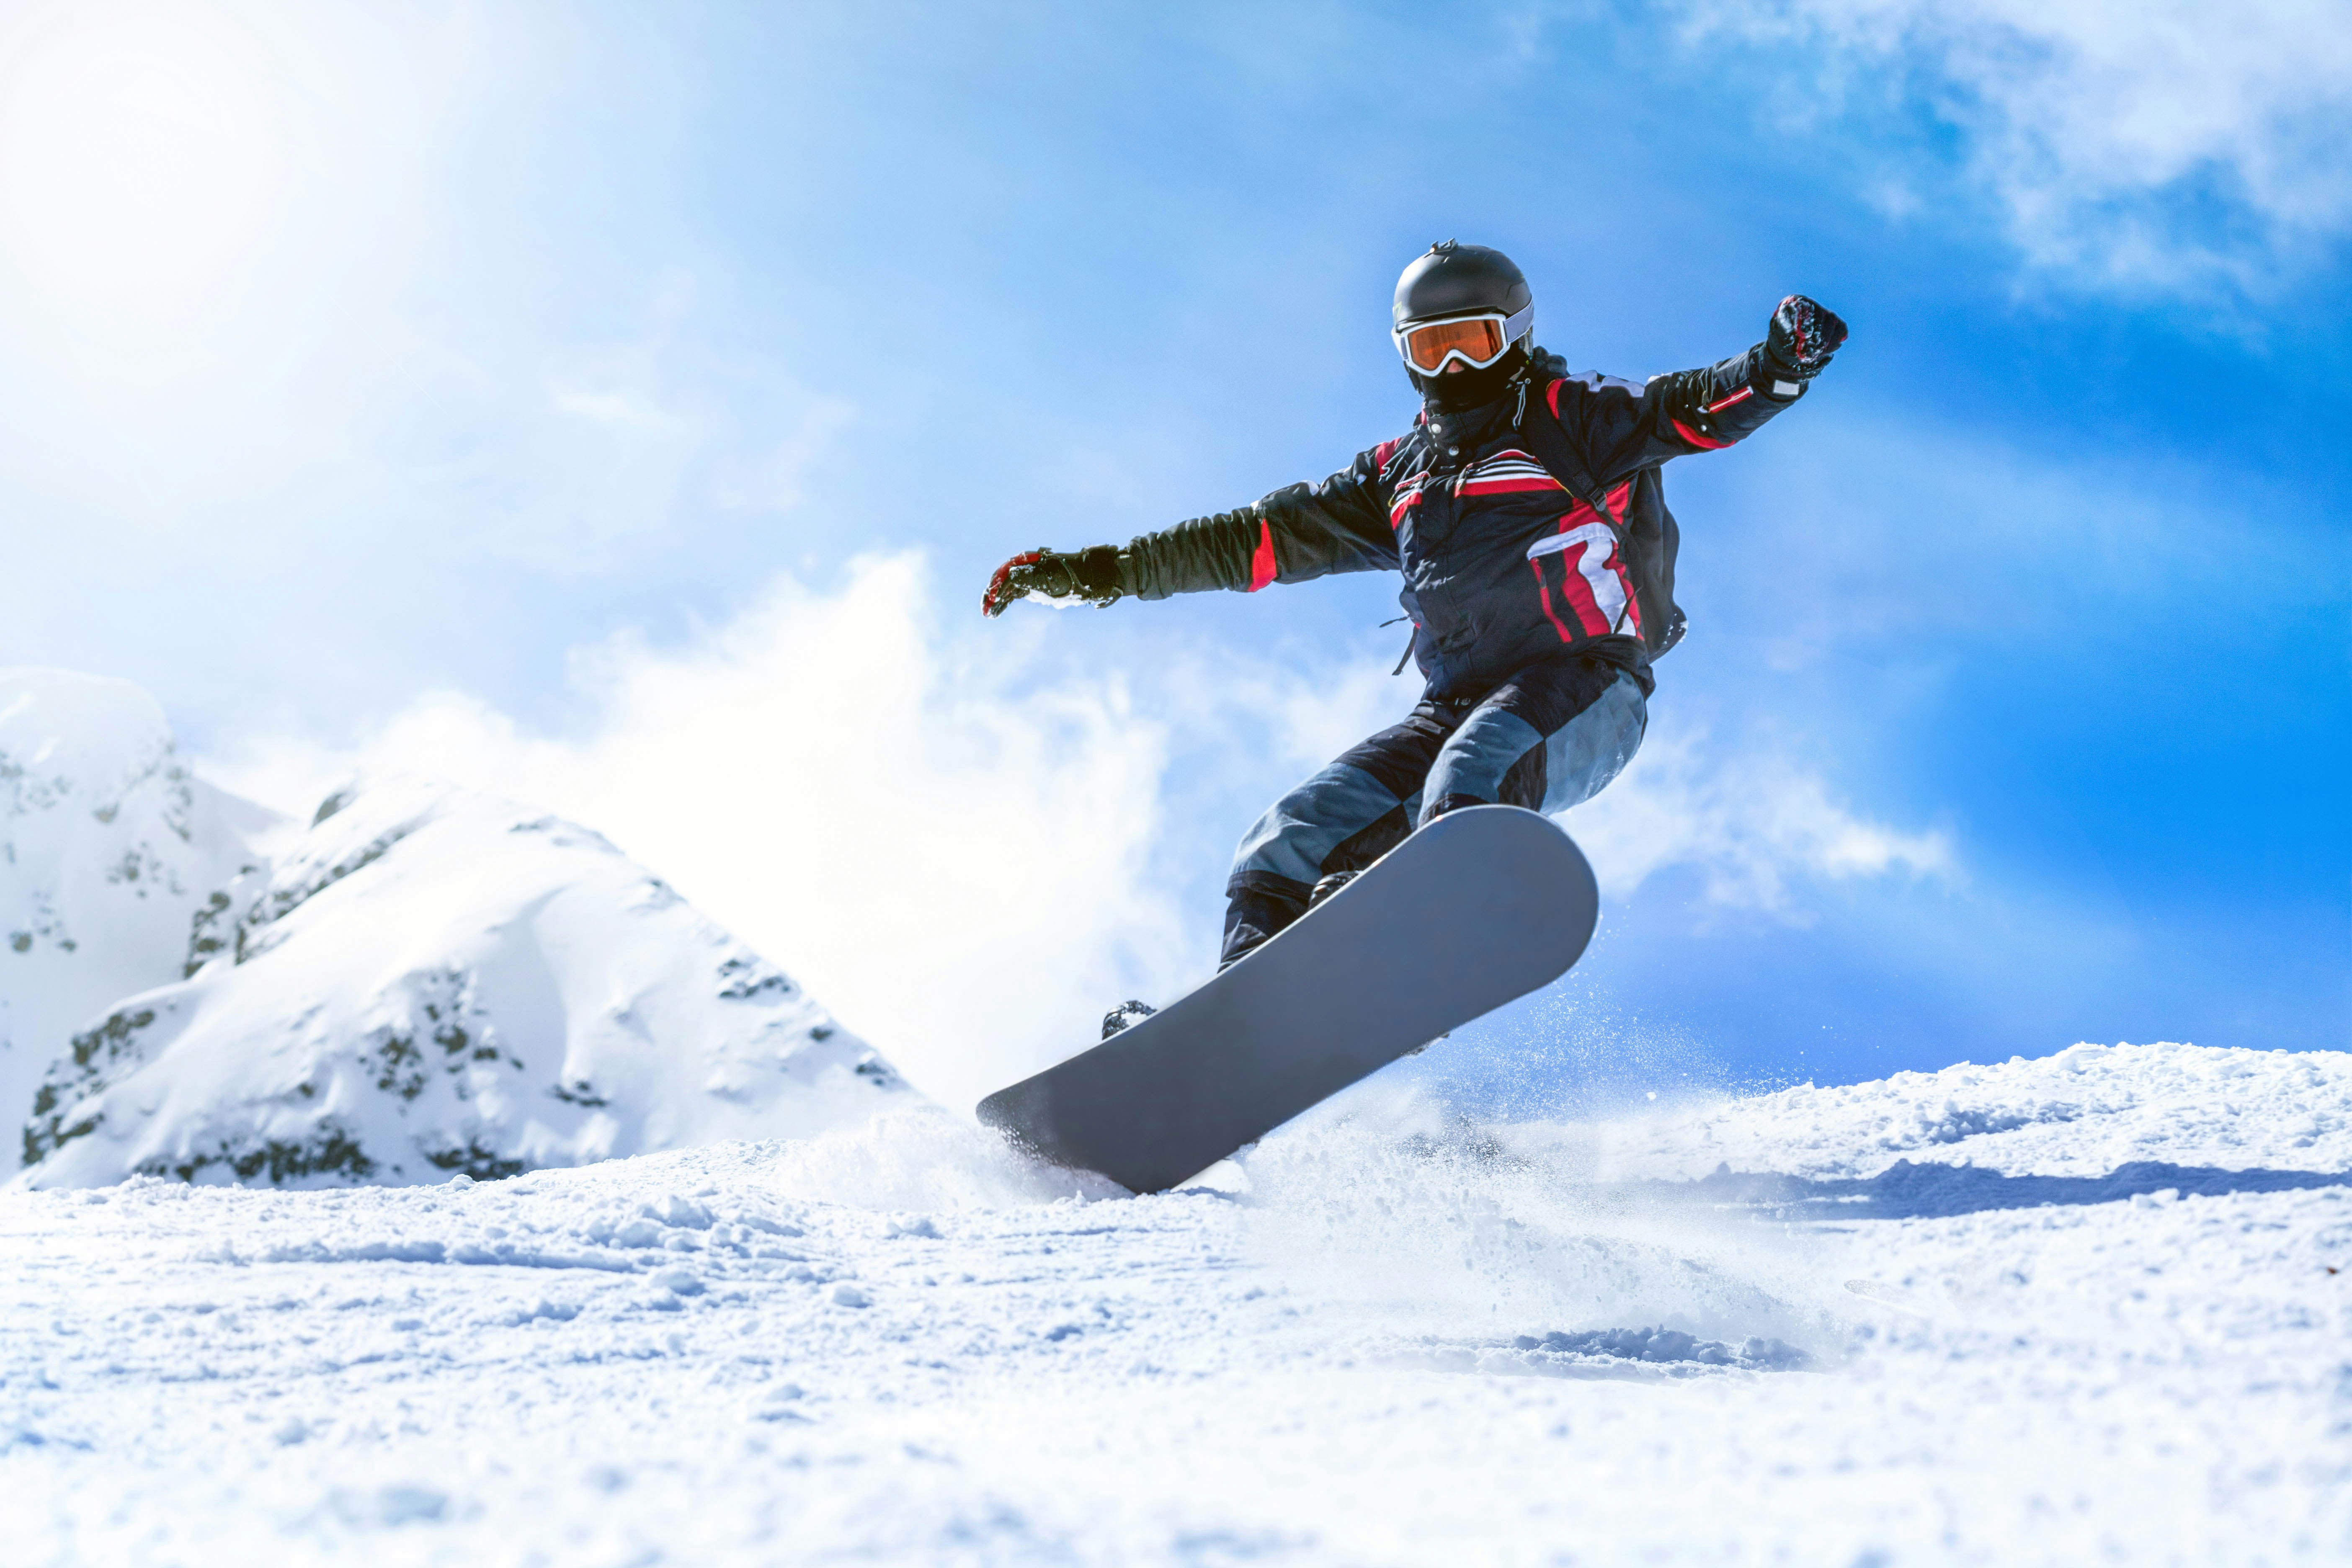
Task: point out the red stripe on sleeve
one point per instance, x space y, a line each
1742 396
1551 396
1262 566
1704 443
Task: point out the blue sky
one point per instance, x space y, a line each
472 389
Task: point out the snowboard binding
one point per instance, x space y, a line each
1123 1015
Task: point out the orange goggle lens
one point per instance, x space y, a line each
1479 341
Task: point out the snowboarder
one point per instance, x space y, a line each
1525 509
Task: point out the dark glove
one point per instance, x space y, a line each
1803 337
1089 575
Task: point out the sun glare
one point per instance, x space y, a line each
135 156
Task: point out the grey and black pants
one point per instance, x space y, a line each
1550 737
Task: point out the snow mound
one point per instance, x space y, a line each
2086 1112
431 981
109 848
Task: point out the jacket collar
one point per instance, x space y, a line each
1453 432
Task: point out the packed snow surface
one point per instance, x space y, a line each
2077 1309
2081 1112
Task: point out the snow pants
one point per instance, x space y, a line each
1550 737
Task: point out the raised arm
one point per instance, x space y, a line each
1297 533
1622 429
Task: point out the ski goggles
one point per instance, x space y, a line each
1476 340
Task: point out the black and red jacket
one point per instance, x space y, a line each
1503 564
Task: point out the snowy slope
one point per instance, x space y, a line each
900 1343
428 980
109 848
2082 1111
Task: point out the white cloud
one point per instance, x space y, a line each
1753 824
959 840
2172 144
967 843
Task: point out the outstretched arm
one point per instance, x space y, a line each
1295 535
1622 430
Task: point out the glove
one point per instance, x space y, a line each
1803 337
1089 576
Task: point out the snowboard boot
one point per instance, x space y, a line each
1262 908
1125 1014
1260 905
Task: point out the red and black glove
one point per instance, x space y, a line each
1089 576
1803 337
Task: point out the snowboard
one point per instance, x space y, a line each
1482 906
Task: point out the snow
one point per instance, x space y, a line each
1381 1337
2083 1111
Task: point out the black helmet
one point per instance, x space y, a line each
1456 279
1462 367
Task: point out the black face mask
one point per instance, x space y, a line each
1470 388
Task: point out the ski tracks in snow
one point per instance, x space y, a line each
901 1344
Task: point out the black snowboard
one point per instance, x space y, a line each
1484 905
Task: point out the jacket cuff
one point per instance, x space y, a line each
1097 571
1778 381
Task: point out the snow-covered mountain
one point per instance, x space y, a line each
423 980
109 848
